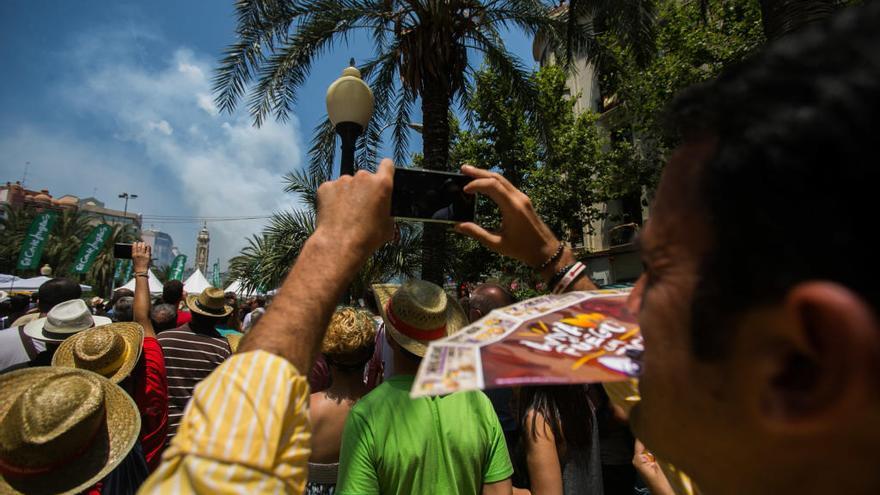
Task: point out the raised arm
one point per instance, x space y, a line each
354 219
523 235
140 258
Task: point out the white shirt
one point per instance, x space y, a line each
12 351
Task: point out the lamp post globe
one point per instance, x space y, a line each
349 106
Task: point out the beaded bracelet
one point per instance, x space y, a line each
553 258
571 275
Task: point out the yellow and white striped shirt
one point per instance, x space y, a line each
246 430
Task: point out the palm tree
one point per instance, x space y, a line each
71 226
781 17
13 229
163 273
424 50
266 260
100 275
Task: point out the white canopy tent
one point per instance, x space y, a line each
31 284
155 284
239 289
196 283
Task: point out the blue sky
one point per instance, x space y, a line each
106 97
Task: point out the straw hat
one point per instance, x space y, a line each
417 313
211 302
109 350
62 430
64 320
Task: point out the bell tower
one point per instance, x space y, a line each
202 244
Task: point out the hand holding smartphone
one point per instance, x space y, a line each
430 196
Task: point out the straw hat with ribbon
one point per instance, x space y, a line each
417 313
109 350
62 430
64 320
211 302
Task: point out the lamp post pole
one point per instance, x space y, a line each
349 106
127 197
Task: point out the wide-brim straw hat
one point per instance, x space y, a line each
58 400
417 313
110 350
63 320
211 302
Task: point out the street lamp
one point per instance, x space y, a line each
127 197
349 106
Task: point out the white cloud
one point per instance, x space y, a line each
168 142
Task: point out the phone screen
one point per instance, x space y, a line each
122 251
429 196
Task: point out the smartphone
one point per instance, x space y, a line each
122 251
429 196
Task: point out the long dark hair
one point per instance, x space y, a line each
566 408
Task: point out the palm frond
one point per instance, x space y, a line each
323 149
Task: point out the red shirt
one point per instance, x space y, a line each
151 397
183 317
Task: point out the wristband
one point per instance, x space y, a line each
553 258
141 274
571 275
554 281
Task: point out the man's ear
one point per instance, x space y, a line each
817 362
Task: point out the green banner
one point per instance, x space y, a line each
129 267
215 277
117 270
177 267
91 247
35 240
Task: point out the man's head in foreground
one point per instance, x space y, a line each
759 304
56 291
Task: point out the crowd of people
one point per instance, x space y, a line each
759 373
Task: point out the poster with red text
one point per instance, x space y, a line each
577 337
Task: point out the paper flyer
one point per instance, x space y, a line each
577 337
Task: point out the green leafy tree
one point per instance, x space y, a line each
265 261
423 53
64 240
13 228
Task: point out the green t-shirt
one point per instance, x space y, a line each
435 445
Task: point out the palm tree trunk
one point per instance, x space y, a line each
781 17
435 147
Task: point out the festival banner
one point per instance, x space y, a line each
577 337
215 276
129 267
117 270
35 240
177 267
91 247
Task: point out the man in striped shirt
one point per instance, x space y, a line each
193 351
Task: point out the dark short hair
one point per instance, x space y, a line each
56 291
261 301
172 291
163 317
119 294
790 189
123 310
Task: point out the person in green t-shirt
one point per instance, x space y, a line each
451 444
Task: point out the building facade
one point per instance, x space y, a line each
162 245
606 244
